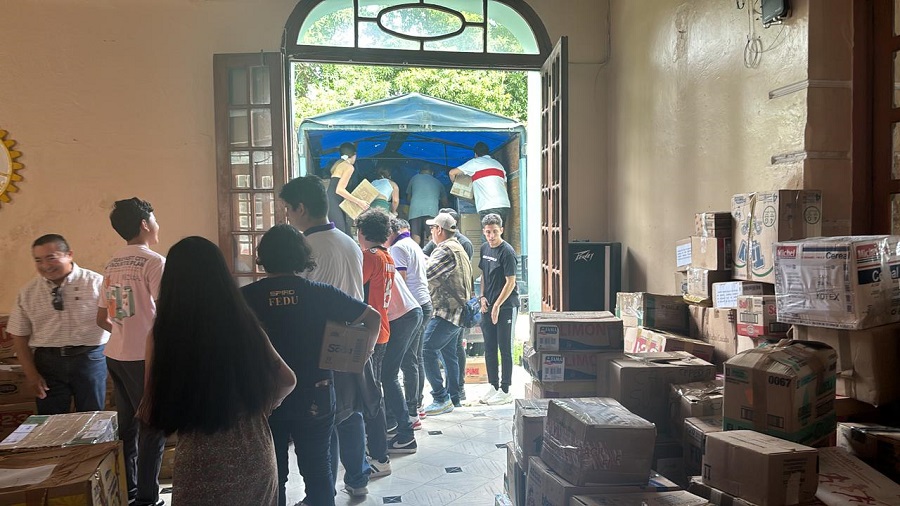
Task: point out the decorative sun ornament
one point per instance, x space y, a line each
8 168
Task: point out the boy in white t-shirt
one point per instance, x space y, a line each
127 310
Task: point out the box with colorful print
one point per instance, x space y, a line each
561 365
786 390
757 317
642 309
700 399
644 340
576 331
838 282
695 431
597 441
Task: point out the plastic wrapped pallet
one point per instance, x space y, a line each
70 429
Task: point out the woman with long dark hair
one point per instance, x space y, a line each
213 377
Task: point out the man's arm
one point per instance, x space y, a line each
103 319
453 173
35 381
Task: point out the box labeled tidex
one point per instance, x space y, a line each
838 282
576 331
717 327
641 381
786 390
528 428
68 429
713 253
683 254
13 415
718 224
761 219
695 431
726 293
544 487
561 389
561 365
87 476
597 441
760 468
703 398
757 317
345 348
664 312
515 476
674 498
701 281
877 445
844 479
867 360
13 386
6 343
644 340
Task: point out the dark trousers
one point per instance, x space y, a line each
461 360
402 330
72 371
312 445
496 336
440 347
143 445
349 441
412 365
376 423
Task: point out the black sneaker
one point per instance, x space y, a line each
392 431
397 445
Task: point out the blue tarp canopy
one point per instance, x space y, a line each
404 132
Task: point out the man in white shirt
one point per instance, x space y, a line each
54 334
488 182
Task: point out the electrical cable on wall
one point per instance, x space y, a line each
754 48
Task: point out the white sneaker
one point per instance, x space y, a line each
379 469
488 395
500 398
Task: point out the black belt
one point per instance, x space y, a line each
68 351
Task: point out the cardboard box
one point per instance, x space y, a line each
13 415
515 477
695 431
838 282
760 468
877 445
716 224
561 365
576 331
726 293
476 370
13 386
679 498
712 253
597 441
664 312
867 360
683 254
700 399
528 428
786 390
544 487
345 348
462 187
717 327
714 495
701 281
560 389
88 475
641 381
69 429
761 219
844 479
6 343
757 317
644 340
668 458
681 280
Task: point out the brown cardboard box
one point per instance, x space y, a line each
515 477
695 431
713 224
528 428
877 445
462 187
683 254
544 487
6 342
664 312
679 497
561 365
13 385
345 348
757 317
759 468
867 360
68 429
717 327
701 281
597 440
712 253
726 293
703 398
13 415
681 280
844 479
644 340
86 475
761 219
576 331
786 390
641 381
476 370
560 389
668 458
714 495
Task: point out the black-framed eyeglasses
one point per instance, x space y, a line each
57 298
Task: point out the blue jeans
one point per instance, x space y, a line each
440 345
402 330
78 372
413 366
349 440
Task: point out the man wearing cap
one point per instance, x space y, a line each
488 182
449 275
463 240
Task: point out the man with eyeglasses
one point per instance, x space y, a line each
54 332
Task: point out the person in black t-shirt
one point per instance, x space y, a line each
499 303
293 311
